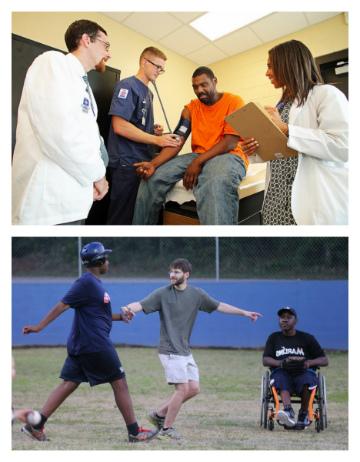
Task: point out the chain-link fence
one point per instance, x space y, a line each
211 257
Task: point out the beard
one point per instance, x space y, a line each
207 98
178 282
101 66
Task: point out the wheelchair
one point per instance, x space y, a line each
270 403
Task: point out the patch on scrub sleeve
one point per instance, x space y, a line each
123 93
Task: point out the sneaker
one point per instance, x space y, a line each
143 435
35 434
156 420
303 420
169 433
286 417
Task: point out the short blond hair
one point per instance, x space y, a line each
153 52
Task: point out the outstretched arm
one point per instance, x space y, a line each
230 309
128 130
120 317
128 311
54 313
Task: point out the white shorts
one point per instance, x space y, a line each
179 369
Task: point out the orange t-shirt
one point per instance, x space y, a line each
208 125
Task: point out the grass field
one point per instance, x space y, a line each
224 416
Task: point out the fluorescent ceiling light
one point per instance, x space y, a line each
215 24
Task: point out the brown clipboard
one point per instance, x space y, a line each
252 121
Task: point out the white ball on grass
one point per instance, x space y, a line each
33 418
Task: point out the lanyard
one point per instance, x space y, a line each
86 80
103 151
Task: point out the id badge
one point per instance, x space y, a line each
85 105
143 119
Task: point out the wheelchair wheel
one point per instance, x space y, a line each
271 424
322 402
264 399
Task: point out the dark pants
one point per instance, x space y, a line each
293 383
124 188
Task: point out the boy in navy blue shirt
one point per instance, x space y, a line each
91 355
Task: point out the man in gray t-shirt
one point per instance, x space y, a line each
178 305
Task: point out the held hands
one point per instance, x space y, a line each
144 169
249 145
124 318
275 117
191 174
100 189
126 314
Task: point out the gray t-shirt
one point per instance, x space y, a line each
178 310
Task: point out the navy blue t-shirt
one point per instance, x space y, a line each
90 331
133 101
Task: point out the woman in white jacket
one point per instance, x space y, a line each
310 189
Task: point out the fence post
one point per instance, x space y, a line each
217 259
79 259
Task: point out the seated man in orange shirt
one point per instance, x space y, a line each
213 170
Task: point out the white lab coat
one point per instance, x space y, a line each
318 130
57 153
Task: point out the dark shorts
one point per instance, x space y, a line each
293 383
95 368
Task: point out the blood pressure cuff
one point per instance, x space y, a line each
183 128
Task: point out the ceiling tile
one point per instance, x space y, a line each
153 25
187 17
278 24
184 40
171 29
207 55
118 17
315 17
238 41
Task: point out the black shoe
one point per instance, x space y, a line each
303 420
143 436
33 433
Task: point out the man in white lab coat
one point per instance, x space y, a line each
57 168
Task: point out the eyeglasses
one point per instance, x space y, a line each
158 67
107 44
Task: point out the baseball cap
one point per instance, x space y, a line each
287 309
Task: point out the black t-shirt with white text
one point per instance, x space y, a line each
280 346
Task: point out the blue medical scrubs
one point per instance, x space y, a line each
132 101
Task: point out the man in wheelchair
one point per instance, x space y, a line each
293 357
